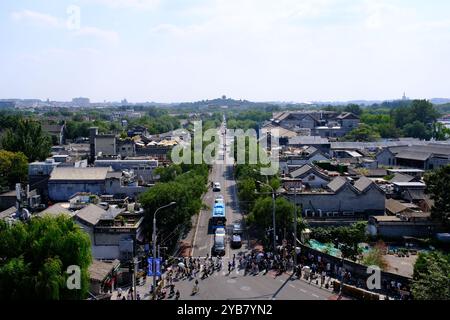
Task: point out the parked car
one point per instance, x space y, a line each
218 248
237 229
236 241
219 199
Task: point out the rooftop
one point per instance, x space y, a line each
99 270
89 174
57 209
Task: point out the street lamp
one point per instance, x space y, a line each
154 242
273 215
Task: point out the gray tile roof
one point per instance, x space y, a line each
337 184
67 174
414 155
99 270
308 140
56 209
91 214
377 173
301 171
399 177
362 184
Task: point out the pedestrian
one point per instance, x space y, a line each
229 267
177 295
322 279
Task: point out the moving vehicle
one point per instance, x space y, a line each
219 199
216 187
218 218
220 231
218 248
237 229
236 241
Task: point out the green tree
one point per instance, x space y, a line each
431 279
29 139
417 129
363 133
354 108
167 174
438 186
246 194
284 214
34 257
186 190
346 238
13 168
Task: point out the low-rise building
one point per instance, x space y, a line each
65 182
311 177
342 197
114 232
143 167
424 157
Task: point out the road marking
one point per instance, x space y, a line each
302 290
315 295
292 286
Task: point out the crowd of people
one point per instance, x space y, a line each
309 267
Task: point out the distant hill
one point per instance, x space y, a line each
440 101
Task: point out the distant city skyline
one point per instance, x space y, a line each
258 50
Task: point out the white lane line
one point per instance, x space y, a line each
292 286
315 295
302 290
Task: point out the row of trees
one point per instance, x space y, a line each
183 184
250 119
256 200
35 255
416 119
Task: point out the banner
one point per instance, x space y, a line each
150 267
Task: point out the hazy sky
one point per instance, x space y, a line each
261 50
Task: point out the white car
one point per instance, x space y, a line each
219 199
216 187
220 232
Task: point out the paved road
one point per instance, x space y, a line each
223 286
222 172
236 286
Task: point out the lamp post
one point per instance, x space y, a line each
154 243
273 215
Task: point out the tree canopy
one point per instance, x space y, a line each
35 255
13 168
431 279
29 138
438 186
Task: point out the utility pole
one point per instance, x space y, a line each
295 226
154 244
135 262
273 221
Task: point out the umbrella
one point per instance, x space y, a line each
181 265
